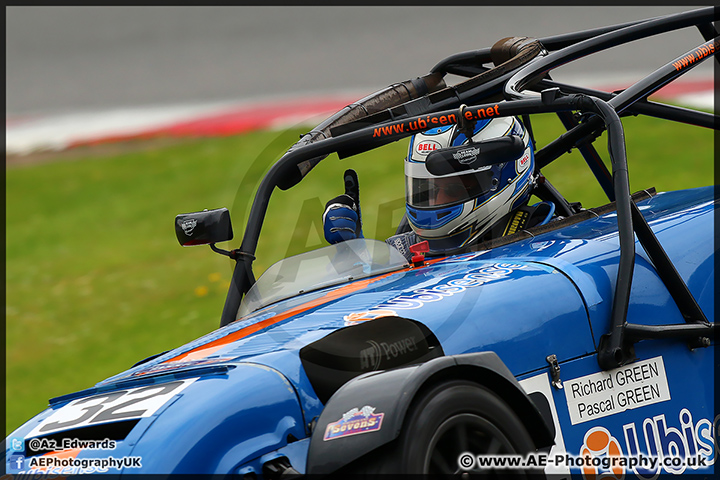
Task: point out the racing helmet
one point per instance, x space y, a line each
454 210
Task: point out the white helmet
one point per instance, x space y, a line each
454 210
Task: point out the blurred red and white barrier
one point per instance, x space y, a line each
58 132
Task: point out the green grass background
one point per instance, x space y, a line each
95 279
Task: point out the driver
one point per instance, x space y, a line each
455 210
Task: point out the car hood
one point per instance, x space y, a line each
203 421
425 293
488 300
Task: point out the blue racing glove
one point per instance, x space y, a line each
342 219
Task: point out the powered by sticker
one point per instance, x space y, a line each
355 422
608 393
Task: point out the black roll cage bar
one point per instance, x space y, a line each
599 111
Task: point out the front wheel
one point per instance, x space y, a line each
454 418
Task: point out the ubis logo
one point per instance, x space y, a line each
599 443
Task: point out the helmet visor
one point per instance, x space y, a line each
444 191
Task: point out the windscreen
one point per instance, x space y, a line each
332 265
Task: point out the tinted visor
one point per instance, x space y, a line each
443 191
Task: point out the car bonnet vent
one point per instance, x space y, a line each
380 344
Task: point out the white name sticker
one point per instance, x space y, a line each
110 407
606 393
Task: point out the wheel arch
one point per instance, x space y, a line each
391 393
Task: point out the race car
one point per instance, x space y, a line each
580 347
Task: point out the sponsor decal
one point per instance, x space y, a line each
418 125
517 222
696 55
598 443
523 162
467 155
371 357
481 113
692 445
359 317
606 393
422 124
652 446
426 146
474 278
188 226
110 407
354 422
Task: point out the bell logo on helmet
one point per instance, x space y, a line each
523 162
426 146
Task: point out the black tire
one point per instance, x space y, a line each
452 418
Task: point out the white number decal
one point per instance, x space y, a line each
112 406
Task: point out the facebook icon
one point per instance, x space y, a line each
16 462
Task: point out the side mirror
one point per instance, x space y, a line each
202 228
472 156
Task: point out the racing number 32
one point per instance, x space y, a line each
112 406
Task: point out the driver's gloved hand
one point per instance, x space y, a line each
342 219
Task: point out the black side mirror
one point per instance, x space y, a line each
202 228
472 156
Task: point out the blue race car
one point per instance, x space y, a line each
582 345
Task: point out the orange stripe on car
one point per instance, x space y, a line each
208 349
212 347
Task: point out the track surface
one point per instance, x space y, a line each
80 74
68 59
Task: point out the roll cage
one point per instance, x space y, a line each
521 66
